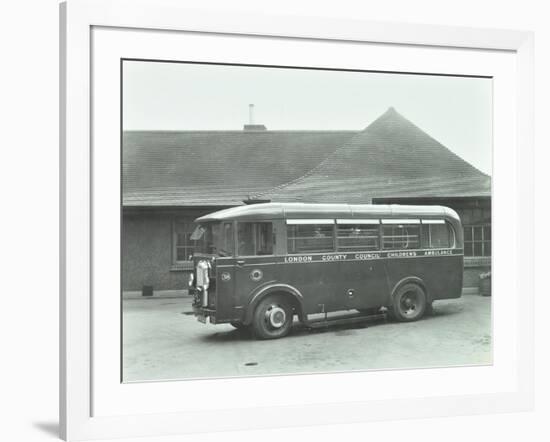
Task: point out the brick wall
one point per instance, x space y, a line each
147 253
147 249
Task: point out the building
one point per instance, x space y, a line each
170 178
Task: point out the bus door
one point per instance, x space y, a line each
225 269
254 254
369 282
363 282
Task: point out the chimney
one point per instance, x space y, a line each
251 127
251 114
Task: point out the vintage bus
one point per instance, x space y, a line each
259 266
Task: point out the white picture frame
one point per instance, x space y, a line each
78 377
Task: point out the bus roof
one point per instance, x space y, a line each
270 211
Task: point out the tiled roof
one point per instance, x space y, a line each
390 158
209 168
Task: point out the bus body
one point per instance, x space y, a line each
263 264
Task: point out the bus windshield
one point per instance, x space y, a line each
213 239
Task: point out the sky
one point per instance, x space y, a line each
456 111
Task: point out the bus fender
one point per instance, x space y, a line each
266 290
407 280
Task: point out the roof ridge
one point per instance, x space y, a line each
390 111
309 172
437 141
393 112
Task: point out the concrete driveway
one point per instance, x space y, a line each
163 340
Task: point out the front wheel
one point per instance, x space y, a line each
409 303
272 318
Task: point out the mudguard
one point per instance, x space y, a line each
414 280
266 290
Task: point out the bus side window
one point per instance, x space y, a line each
436 234
255 238
357 237
400 236
310 238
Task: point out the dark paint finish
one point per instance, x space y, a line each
335 281
325 285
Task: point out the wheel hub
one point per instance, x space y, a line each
276 316
409 304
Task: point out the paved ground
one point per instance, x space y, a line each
162 340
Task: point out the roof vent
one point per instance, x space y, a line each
251 127
254 127
250 201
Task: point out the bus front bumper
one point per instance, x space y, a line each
204 315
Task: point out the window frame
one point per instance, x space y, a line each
375 222
311 222
473 241
233 238
174 246
384 222
450 229
175 233
255 223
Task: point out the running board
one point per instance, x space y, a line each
344 319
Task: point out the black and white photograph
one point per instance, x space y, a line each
279 220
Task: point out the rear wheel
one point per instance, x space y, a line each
272 318
409 303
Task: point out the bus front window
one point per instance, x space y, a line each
214 239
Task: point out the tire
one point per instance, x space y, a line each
409 303
272 318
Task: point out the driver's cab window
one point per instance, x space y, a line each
226 241
255 238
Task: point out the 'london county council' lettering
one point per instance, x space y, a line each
365 256
328 258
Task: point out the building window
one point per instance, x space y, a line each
184 246
310 238
477 240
